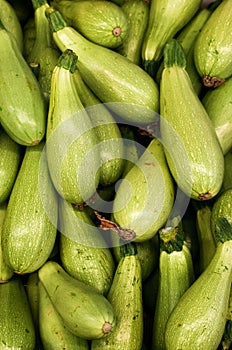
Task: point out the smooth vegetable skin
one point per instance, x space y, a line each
16 324
199 318
86 312
213 48
101 22
22 112
126 87
125 296
145 196
193 152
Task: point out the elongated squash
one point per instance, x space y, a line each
213 48
193 152
29 229
16 324
125 296
11 22
6 273
107 132
71 142
86 312
176 274
125 87
218 105
198 320
83 252
11 156
22 107
101 22
55 335
165 20
145 196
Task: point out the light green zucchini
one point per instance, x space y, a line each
227 181
107 131
54 334
193 152
213 47
102 22
198 320
125 295
165 20
84 311
126 88
22 112
145 196
218 105
176 274
207 244
6 273
44 52
11 22
16 324
147 251
11 156
83 251
32 291
187 38
71 142
29 231
137 13
222 207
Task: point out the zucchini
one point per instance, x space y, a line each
126 88
24 118
83 251
11 22
16 324
32 291
207 244
222 207
84 311
217 103
176 274
54 334
102 22
145 196
198 320
227 181
147 252
213 47
11 156
187 38
6 273
165 20
44 53
125 295
193 152
29 231
72 155
137 13
107 131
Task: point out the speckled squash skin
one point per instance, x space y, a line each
29 230
213 47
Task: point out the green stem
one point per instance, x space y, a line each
38 3
68 60
55 19
127 249
223 230
174 55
